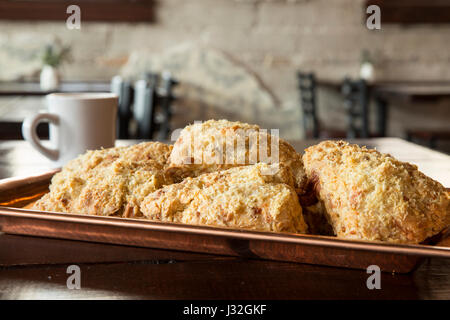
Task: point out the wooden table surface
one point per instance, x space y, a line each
412 89
35 268
34 89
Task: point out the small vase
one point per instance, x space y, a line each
49 79
367 72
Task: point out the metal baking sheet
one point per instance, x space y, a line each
16 218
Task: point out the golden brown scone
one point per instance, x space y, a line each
240 197
372 196
212 146
108 181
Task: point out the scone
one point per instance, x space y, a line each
240 197
109 182
372 196
220 144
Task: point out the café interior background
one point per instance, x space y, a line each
238 59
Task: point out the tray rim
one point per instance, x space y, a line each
292 238
419 250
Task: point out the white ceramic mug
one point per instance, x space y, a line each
78 122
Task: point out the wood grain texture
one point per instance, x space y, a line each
412 11
130 273
97 10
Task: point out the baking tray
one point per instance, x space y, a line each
15 218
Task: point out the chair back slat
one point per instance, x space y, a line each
124 91
356 103
144 106
307 87
167 97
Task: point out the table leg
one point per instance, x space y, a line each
382 115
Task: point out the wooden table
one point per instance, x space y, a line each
34 89
32 267
385 91
12 115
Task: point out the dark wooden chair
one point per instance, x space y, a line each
307 86
144 106
125 92
311 124
166 99
356 102
147 104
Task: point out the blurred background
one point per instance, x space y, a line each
311 68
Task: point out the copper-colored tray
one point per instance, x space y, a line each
16 193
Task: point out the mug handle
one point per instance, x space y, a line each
29 133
